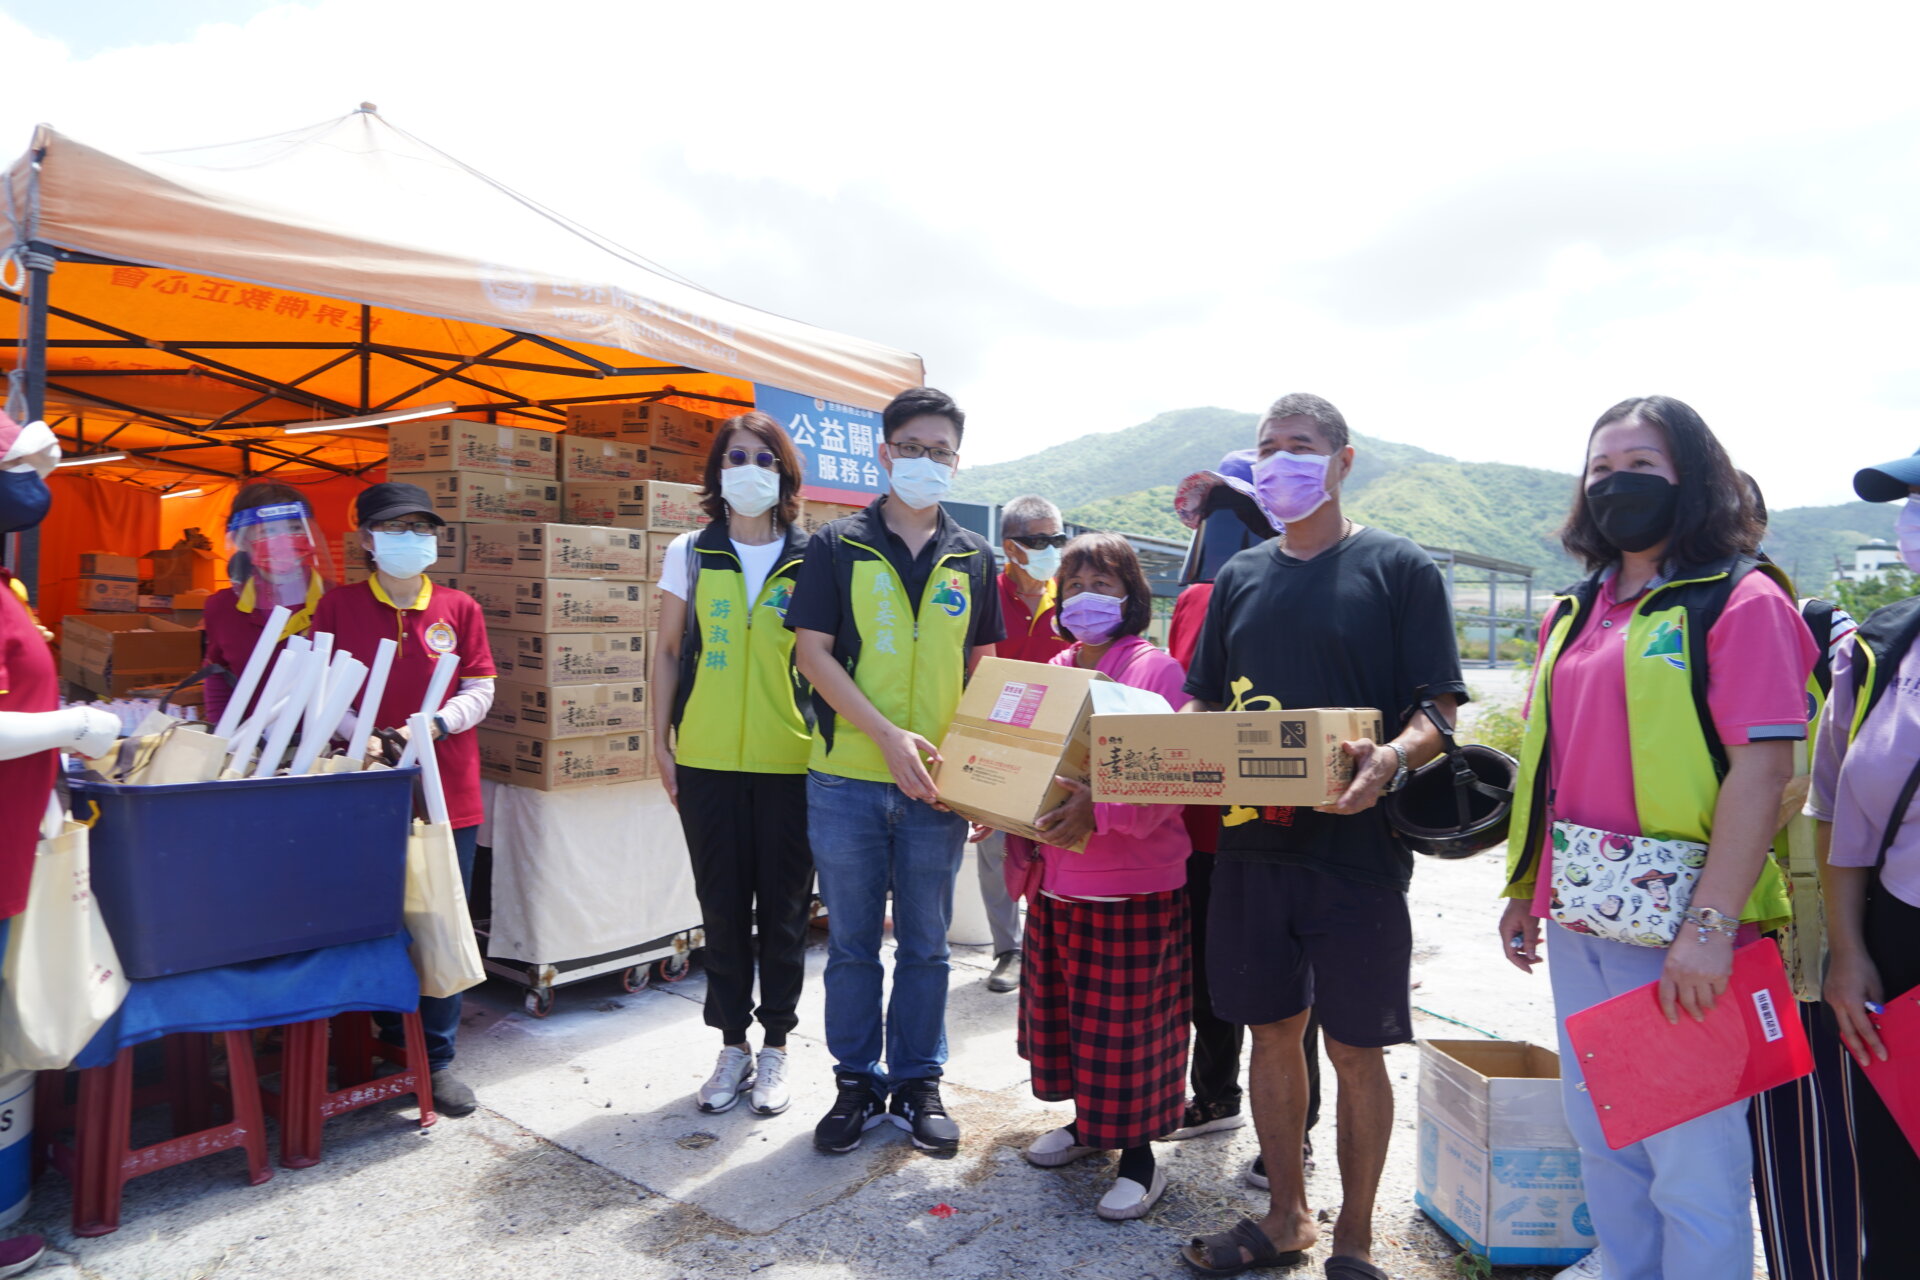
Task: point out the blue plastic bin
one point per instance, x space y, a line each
199 874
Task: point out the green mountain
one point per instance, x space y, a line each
1123 480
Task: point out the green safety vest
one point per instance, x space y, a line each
911 665
741 705
1678 760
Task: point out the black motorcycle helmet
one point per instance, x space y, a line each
1458 803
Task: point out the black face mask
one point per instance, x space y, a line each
24 499
1634 512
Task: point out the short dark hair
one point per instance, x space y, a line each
264 493
1715 515
1301 404
1113 553
786 511
916 402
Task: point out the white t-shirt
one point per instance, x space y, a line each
755 562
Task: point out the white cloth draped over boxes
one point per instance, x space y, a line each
585 872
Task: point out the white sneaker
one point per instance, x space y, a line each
770 1096
1588 1268
1127 1199
729 1080
1054 1148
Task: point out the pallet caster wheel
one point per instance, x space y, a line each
540 1001
636 979
673 968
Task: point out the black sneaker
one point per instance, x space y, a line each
917 1109
856 1110
1202 1118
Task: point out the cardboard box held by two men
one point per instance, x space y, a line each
1021 725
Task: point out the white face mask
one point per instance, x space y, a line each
1041 565
920 482
750 490
405 555
1906 531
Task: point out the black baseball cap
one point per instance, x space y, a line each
393 498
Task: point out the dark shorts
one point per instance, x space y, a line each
1282 939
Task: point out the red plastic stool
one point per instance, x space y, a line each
101 1162
305 1103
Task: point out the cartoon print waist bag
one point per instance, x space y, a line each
1631 889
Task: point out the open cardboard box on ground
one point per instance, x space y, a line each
117 652
1019 726
1259 758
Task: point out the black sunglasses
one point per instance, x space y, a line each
740 458
1040 541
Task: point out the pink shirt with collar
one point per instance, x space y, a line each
1855 785
1135 849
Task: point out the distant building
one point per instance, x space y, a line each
1870 560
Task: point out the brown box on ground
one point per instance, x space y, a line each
567 710
104 564
109 595
112 653
556 551
815 516
589 460
356 562
569 762
1260 758
454 444
181 569
560 604
674 507
676 468
570 657
482 496
1019 724
620 505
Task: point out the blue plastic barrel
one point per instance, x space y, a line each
199 874
16 1145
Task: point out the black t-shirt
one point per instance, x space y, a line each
1362 624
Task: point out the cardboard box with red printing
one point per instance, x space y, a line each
609 505
1264 759
674 507
477 496
560 604
557 551
109 595
570 657
661 427
454 444
815 516
590 460
545 765
567 710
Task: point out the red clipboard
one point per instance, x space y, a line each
1646 1075
1897 1080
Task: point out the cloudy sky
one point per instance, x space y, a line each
1472 227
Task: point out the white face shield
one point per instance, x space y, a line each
278 557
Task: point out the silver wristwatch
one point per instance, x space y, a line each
1399 778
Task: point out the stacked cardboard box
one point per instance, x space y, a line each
109 583
673 442
114 653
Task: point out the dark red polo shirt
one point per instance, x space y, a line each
440 621
28 682
1030 637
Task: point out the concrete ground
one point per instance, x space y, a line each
588 1159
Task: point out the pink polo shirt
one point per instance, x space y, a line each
1855 785
1759 655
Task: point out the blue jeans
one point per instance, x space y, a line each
1674 1205
869 840
440 1015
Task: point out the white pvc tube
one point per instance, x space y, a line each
343 681
323 648
420 730
250 676
300 688
436 694
376 690
271 702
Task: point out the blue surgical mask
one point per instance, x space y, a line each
405 555
1042 564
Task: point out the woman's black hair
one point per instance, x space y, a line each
1115 554
1715 516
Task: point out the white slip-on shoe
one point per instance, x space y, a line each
770 1096
1127 1199
731 1075
1588 1268
1054 1148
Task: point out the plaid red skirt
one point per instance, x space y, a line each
1104 1011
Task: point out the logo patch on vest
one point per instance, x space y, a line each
441 638
950 597
1669 641
781 597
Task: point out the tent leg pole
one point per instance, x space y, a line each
23 548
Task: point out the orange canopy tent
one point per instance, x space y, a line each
184 315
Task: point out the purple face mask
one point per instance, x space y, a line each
1093 618
1291 486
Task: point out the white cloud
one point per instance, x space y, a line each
1472 228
